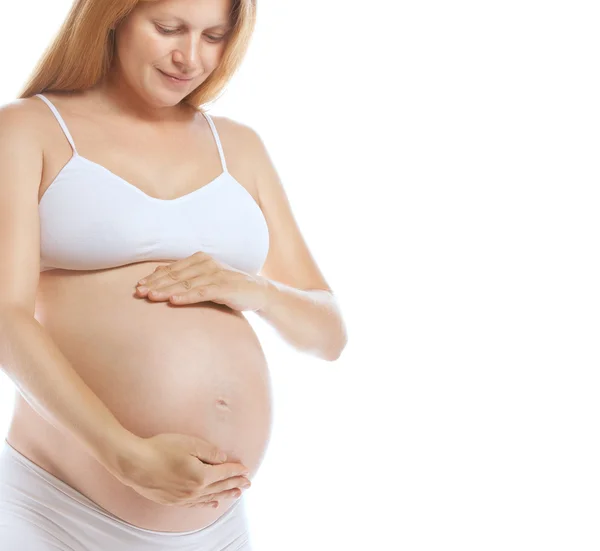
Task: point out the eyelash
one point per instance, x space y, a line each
168 32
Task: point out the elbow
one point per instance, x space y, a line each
332 357
333 353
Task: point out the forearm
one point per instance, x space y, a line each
42 374
309 320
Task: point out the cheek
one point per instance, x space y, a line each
154 46
213 57
141 46
151 50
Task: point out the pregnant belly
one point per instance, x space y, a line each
195 369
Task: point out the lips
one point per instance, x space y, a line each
175 76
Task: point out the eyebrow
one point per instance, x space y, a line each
226 25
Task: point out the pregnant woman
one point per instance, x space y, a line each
135 230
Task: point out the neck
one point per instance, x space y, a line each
118 98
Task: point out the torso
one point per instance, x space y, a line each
197 369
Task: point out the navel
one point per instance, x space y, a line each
221 403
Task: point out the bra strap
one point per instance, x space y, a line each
216 136
59 119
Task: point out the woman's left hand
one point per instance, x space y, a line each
201 278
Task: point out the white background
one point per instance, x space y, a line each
442 162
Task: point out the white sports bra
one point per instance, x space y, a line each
92 219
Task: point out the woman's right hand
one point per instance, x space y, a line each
181 470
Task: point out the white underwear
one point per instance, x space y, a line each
39 512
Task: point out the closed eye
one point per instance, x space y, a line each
164 30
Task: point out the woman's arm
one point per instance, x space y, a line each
45 378
309 320
298 302
28 355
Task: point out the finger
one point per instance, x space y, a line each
234 493
177 283
194 259
198 270
201 293
180 288
240 482
207 504
158 273
186 283
214 498
176 270
224 471
173 277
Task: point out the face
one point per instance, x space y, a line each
181 38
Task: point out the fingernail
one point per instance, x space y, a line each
142 289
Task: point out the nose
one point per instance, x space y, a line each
188 55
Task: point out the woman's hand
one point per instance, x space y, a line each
180 470
201 278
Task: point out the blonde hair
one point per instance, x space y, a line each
82 52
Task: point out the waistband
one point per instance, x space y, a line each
7 451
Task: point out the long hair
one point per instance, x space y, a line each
83 50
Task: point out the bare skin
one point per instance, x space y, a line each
197 369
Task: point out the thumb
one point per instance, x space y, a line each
211 455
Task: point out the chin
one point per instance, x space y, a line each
166 98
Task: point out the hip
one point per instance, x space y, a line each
61 455
39 511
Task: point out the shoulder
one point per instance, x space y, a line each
21 118
247 144
24 110
21 150
251 148
237 131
